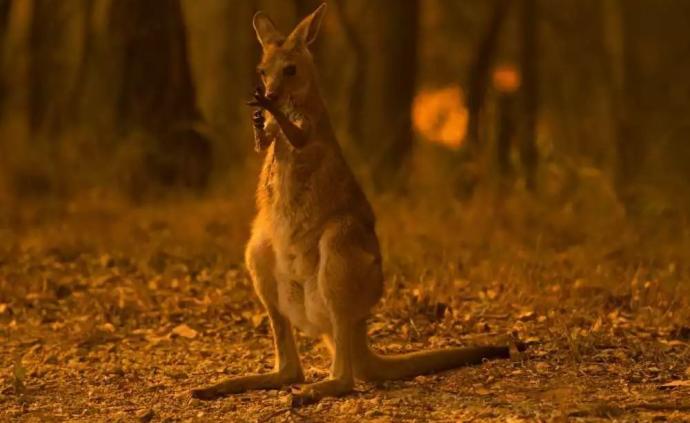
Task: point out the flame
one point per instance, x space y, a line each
440 116
506 78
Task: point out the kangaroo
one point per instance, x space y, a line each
313 255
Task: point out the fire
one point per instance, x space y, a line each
506 78
440 116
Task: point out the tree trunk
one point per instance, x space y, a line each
629 141
15 63
530 91
505 133
4 16
395 61
4 21
54 44
157 94
157 88
224 53
480 73
355 107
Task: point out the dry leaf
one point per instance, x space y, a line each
672 343
107 327
185 331
525 314
676 384
480 390
258 319
376 327
597 325
542 367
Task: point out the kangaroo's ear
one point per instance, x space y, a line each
266 31
307 30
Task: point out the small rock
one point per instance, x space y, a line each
185 331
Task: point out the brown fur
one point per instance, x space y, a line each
313 255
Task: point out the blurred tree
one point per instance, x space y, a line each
393 60
53 60
223 56
93 97
529 90
4 16
357 86
4 20
618 39
14 64
5 6
157 93
630 139
480 72
157 88
623 35
505 133
653 100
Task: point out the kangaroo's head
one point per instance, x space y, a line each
287 67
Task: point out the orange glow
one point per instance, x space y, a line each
440 116
506 78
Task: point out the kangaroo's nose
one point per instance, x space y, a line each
272 95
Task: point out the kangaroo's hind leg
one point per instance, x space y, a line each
341 379
260 261
347 281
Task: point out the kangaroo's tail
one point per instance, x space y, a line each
371 366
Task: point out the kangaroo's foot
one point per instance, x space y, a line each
236 385
313 392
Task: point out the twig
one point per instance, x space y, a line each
419 335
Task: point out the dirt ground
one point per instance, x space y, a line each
121 331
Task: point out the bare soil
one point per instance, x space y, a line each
121 331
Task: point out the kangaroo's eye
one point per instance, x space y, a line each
290 70
261 72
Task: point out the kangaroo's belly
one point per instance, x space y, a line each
298 293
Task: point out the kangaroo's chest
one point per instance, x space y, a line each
287 195
288 173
